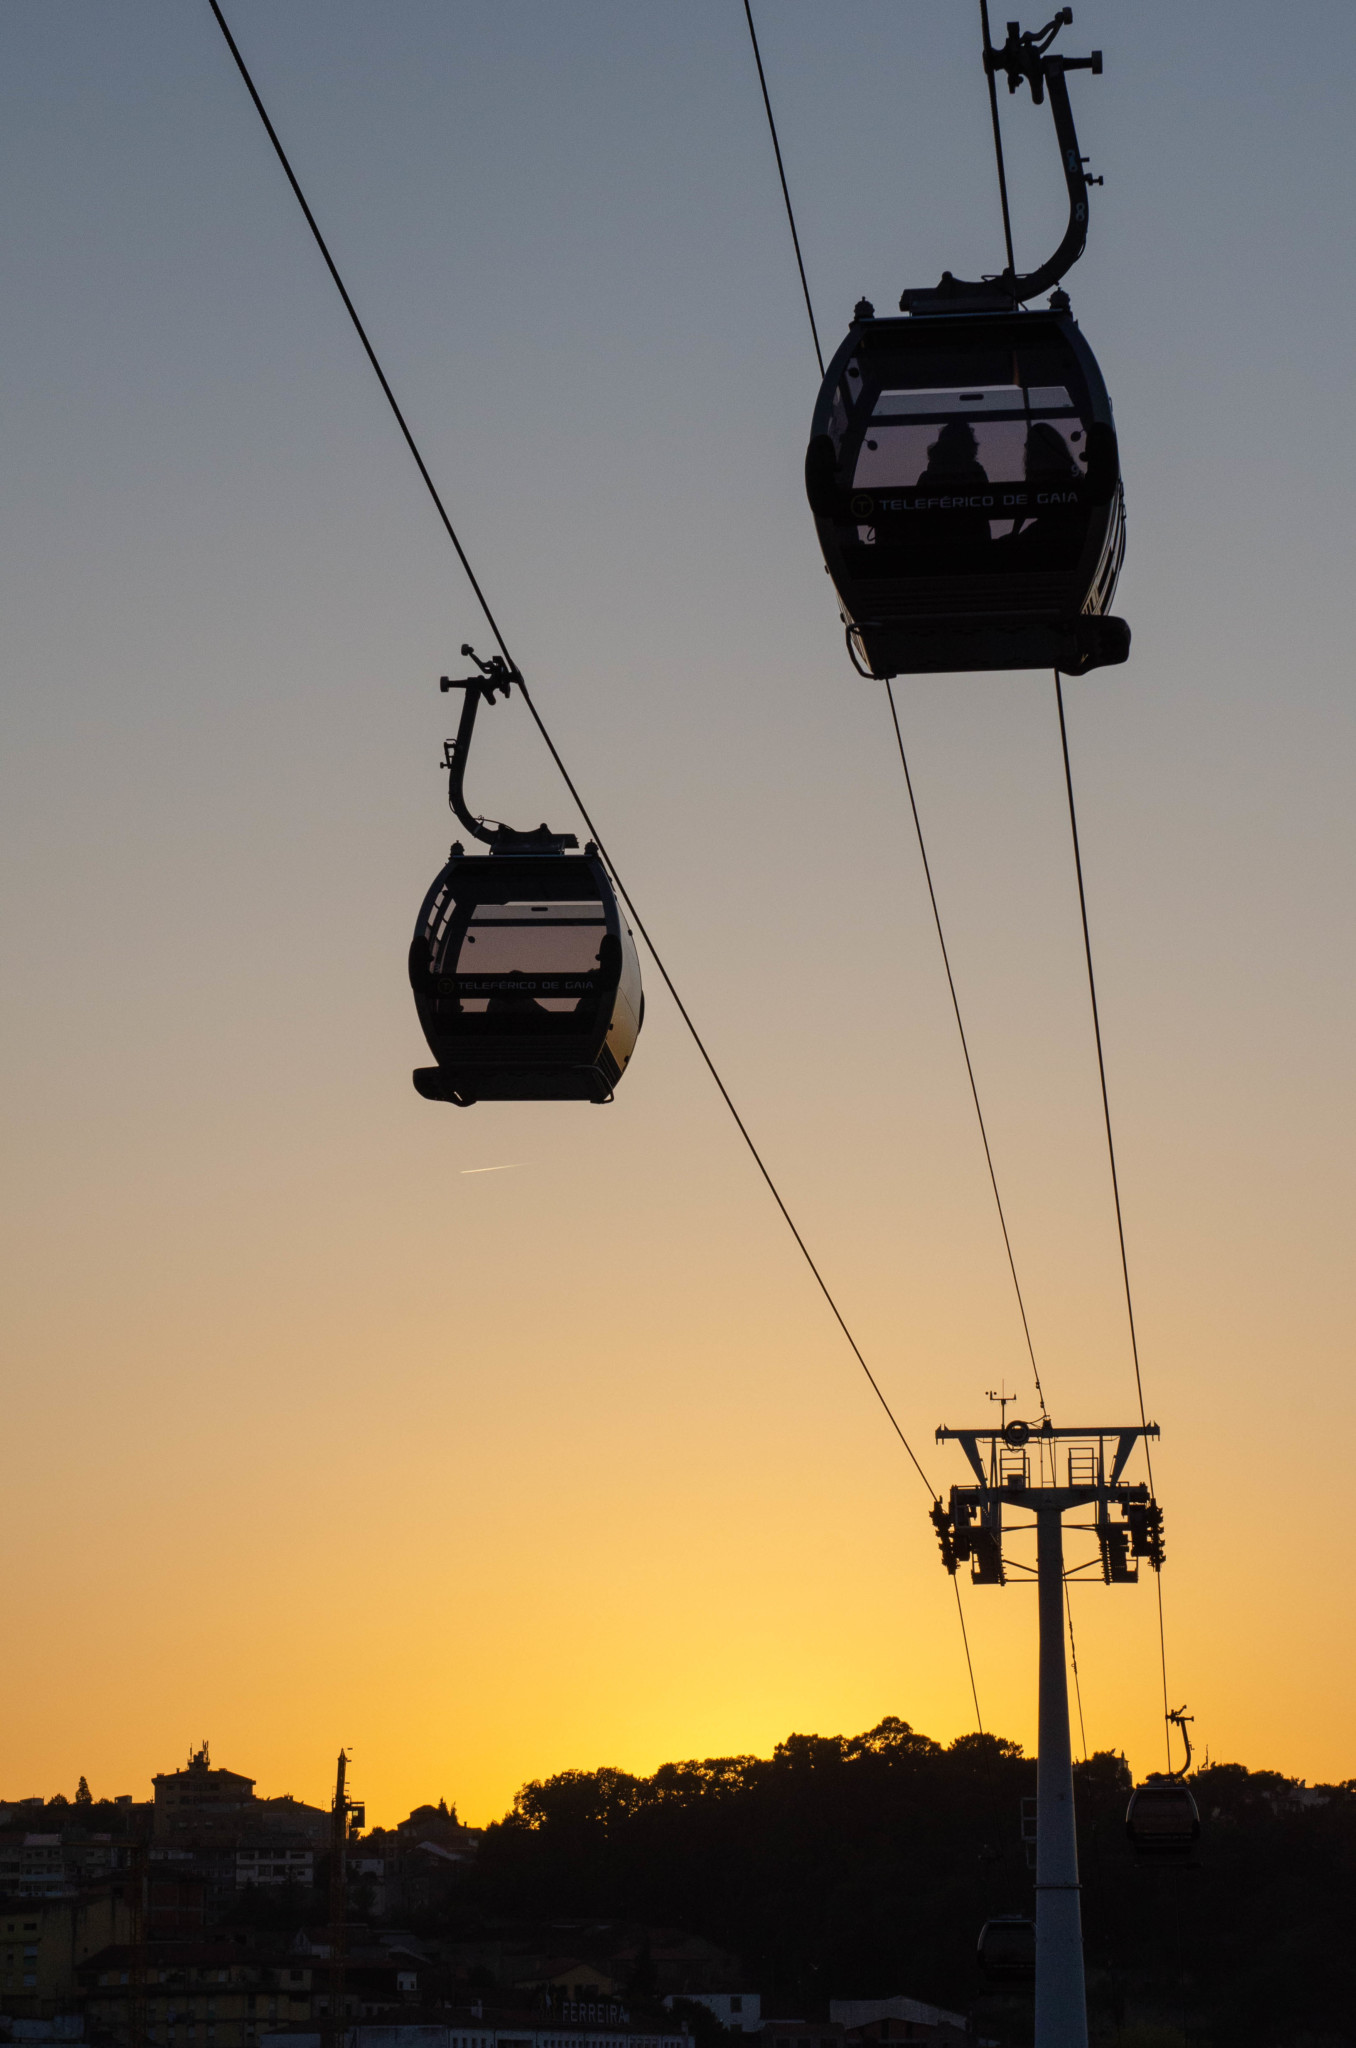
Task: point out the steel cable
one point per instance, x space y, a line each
922 847
965 1047
997 138
1087 947
1115 1177
551 746
1073 1659
786 193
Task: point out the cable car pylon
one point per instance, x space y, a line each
974 1528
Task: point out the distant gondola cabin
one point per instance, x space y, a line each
1007 1949
1162 1821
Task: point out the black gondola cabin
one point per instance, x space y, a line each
1007 1949
1162 1821
965 482
526 980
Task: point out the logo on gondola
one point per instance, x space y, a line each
863 506
514 984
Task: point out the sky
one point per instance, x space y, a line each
315 1430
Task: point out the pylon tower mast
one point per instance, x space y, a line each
976 1528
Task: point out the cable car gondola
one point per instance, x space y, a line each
1007 1949
1162 1820
525 974
963 468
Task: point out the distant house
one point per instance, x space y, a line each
202 1806
190 1992
901 2022
801 2034
42 1942
474 2028
274 1864
569 1979
740 2011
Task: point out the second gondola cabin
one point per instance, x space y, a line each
1163 1821
965 483
1007 1949
526 980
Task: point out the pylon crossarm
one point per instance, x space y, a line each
1016 1433
1015 1494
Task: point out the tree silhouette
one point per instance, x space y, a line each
864 1866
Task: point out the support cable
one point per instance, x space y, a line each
550 743
352 312
1073 1659
997 138
725 1093
786 194
965 1046
965 1638
1115 1179
922 848
819 358
908 780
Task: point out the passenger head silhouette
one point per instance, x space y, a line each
1047 454
954 449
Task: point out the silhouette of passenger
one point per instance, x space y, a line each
954 470
1046 459
515 1008
1051 534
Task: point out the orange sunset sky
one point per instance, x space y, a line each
315 1430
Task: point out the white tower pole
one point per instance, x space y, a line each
1061 2000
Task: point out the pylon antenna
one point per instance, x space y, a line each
1003 1398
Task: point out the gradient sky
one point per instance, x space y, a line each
313 1431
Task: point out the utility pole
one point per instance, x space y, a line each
342 1812
136 1940
1128 1525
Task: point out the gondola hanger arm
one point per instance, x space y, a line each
1026 55
495 677
1179 1717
